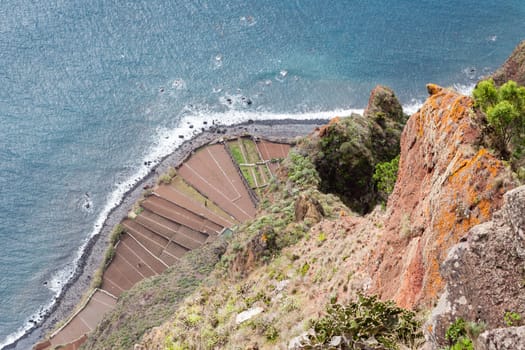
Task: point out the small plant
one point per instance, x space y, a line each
114 237
304 269
456 330
271 333
367 321
385 176
512 318
321 238
167 176
463 343
460 334
138 210
193 319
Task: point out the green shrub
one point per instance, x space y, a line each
367 321
301 171
505 110
167 176
117 231
460 334
512 318
456 330
463 343
385 176
485 94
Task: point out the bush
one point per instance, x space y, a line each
505 110
167 176
460 334
301 171
368 321
485 94
385 176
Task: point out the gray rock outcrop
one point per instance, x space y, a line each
485 275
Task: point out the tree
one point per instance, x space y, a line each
505 110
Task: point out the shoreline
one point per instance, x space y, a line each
282 130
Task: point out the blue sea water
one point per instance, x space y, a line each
89 90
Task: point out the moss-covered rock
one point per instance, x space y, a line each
347 150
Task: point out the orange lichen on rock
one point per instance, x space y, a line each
445 186
324 128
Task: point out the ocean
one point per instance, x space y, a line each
91 90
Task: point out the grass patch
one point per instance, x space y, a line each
167 177
251 150
236 152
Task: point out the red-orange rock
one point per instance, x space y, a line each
446 184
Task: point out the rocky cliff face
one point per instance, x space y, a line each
485 277
513 68
446 184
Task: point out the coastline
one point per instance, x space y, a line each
283 130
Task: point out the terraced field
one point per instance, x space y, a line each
217 187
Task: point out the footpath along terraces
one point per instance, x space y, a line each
217 187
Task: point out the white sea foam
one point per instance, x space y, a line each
412 106
465 89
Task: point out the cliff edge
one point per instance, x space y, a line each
447 183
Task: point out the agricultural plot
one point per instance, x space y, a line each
84 321
206 196
272 152
245 153
211 171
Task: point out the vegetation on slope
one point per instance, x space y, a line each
154 300
347 151
300 253
366 323
505 111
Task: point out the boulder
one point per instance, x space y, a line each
307 207
259 246
510 338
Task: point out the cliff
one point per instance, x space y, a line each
449 243
305 249
513 68
447 183
484 275
347 150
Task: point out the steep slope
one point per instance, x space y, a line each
280 270
513 68
447 183
305 249
484 275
